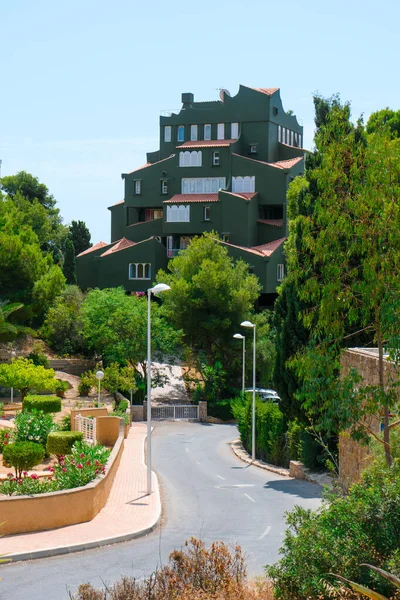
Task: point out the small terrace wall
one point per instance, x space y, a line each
23 514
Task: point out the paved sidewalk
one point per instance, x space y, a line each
128 513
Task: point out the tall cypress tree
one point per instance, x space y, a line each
69 267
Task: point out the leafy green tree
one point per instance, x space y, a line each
210 296
353 247
383 119
63 325
24 376
117 378
8 331
69 267
115 326
80 236
47 288
29 187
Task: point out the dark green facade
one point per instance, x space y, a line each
222 166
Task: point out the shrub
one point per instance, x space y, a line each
270 429
1 410
121 406
362 527
295 434
5 438
86 383
22 456
48 404
61 388
221 410
84 464
65 423
125 416
33 427
61 442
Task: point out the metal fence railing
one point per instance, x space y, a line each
175 411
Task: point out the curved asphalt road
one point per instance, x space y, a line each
207 492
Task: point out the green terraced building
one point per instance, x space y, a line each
222 165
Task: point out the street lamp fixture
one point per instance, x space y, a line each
239 336
160 287
99 377
253 432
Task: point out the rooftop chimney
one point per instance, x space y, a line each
187 100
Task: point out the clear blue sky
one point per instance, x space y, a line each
83 82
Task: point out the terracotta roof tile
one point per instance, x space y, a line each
151 164
270 247
282 164
117 203
266 91
93 248
275 222
120 245
185 198
206 144
243 195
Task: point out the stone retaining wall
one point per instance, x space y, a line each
73 366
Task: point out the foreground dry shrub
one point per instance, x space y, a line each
194 573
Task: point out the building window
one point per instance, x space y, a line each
296 139
283 135
221 131
181 133
280 272
300 140
225 237
202 185
253 148
215 157
190 159
206 213
279 133
193 133
207 132
153 213
292 138
243 184
138 187
275 110
178 214
234 131
184 242
140 271
288 137
167 133
164 186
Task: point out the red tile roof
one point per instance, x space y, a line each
282 164
151 164
206 144
117 203
275 222
185 198
243 195
93 248
267 91
264 250
270 247
120 245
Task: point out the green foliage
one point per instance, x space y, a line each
24 376
65 423
86 383
222 409
60 443
8 330
61 388
47 288
210 295
343 533
63 324
80 236
295 437
29 187
115 326
121 405
69 266
117 378
214 378
385 119
47 404
391 579
22 456
37 355
122 415
5 438
270 429
33 427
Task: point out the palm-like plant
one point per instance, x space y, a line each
361 589
8 331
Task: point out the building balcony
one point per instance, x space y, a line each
172 252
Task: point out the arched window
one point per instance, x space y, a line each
193 159
181 133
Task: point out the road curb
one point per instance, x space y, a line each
60 550
237 448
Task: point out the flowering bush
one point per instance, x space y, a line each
1 410
22 455
5 438
33 426
75 470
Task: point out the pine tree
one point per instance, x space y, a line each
69 267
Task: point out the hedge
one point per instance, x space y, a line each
22 456
221 410
61 442
48 404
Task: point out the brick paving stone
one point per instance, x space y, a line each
129 511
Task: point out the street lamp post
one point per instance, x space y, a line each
253 432
99 377
239 336
160 287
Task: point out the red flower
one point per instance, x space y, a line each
34 476
10 475
79 466
82 455
64 470
25 473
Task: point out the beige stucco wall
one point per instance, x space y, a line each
22 514
107 430
87 412
353 457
